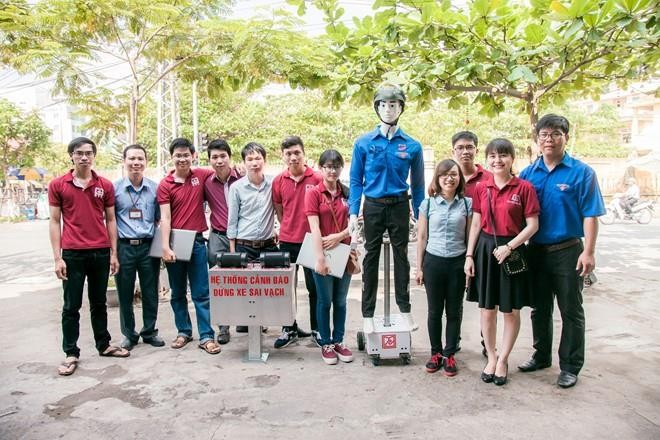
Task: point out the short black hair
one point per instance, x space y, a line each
78 142
134 147
553 121
218 144
253 147
181 143
331 157
291 141
501 146
468 135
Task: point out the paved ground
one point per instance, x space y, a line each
167 394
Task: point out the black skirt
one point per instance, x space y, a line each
491 286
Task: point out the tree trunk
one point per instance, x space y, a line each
133 115
532 108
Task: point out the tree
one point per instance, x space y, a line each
22 138
149 39
538 54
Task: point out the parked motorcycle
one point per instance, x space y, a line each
641 212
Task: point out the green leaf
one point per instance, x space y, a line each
522 72
534 33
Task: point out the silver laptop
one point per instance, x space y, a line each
181 242
336 257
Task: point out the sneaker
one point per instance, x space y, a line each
450 366
302 333
435 363
329 354
128 344
316 337
343 353
286 338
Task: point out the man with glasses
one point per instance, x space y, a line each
83 237
289 189
181 200
137 215
381 163
464 149
571 202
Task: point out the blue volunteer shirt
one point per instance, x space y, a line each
142 198
380 168
567 195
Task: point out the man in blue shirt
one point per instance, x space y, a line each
570 205
382 160
137 213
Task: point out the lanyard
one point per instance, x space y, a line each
134 201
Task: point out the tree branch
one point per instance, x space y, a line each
486 89
165 72
571 71
121 43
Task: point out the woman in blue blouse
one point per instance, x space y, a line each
444 219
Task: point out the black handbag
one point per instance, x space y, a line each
516 262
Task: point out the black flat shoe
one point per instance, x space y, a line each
488 378
566 379
501 380
533 365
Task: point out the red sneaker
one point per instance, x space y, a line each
435 363
328 354
450 366
343 353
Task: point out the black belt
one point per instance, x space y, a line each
215 231
404 197
135 241
554 247
256 244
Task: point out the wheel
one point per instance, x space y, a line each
405 358
360 340
375 360
608 218
644 216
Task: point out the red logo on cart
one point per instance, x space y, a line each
388 341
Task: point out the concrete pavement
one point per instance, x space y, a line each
187 394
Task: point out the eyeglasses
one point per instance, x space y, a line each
79 153
465 148
331 168
449 176
555 135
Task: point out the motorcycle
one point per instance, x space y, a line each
641 212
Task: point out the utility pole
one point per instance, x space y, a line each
195 116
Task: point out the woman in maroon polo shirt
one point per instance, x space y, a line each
326 206
505 216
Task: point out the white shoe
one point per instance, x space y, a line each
368 325
411 323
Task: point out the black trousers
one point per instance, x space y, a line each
136 260
378 218
444 281
554 275
310 285
93 265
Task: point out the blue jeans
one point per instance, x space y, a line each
331 291
196 271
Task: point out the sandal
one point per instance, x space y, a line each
68 366
114 351
180 342
210 347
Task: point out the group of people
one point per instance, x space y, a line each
508 242
98 229
471 226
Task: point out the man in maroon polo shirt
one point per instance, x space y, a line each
289 188
464 149
216 190
83 236
181 198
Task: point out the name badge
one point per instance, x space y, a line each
135 214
